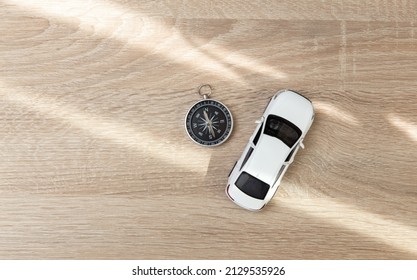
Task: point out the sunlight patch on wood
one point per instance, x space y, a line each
409 128
346 216
110 20
118 132
335 112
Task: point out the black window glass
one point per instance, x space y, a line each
282 129
252 186
258 134
289 155
246 157
279 173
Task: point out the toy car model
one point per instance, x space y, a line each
256 176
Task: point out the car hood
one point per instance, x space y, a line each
267 159
300 114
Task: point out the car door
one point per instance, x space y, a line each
293 152
251 146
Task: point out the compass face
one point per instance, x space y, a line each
209 122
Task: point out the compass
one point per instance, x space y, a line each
208 122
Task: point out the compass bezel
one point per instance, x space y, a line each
212 103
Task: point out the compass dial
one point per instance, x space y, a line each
209 122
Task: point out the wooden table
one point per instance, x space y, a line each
95 162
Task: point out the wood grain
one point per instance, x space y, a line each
96 163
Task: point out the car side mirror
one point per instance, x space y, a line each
258 121
302 145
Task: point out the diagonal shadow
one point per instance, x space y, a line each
381 214
58 128
340 156
111 20
163 232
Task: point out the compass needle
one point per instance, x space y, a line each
212 131
206 116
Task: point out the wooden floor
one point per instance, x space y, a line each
95 162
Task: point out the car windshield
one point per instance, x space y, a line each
282 129
252 186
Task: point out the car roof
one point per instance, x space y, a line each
293 107
267 158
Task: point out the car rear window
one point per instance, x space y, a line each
282 129
252 186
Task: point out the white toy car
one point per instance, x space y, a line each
279 134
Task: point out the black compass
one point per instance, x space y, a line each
208 122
